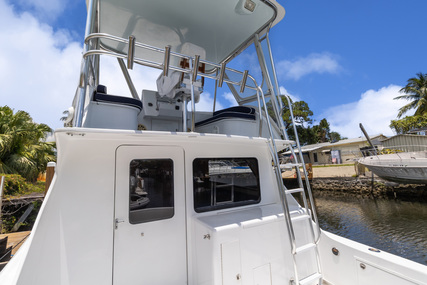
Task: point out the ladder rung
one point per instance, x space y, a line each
288 142
310 278
290 165
296 190
300 217
305 247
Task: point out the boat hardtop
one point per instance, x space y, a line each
152 188
219 29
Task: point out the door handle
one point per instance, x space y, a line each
118 221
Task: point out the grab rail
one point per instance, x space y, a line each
217 72
161 65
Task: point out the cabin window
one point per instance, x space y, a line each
221 183
151 190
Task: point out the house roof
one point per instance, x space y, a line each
312 147
403 136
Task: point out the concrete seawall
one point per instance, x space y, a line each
364 187
344 181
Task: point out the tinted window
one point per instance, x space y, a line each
150 190
225 183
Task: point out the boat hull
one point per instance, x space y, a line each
407 168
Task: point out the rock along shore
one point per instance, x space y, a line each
365 187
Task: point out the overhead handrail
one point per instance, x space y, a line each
161 65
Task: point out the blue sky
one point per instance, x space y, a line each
347 60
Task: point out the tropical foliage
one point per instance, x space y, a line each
16 185
307 134
408 123
301 111
23 146
416 92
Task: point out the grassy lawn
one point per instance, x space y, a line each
332 165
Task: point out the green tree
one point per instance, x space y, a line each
335 136
302 116
23 146
302 113
306 133
416 92
408 123
323 131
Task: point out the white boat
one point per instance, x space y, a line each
201 224
403 167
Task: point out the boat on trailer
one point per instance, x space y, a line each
213 208
401 167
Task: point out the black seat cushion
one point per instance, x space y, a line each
241 112
101 89
100 96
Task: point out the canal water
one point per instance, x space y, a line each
398 227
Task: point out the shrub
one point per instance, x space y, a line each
15 185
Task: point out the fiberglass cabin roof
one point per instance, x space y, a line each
219 27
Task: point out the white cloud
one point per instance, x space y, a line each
375 110
294 97
39 66
206 103
44 9
112 77
229 97
313 63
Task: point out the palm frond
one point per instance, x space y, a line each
415 91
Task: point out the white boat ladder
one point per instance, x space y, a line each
295 220
299 246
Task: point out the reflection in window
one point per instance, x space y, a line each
225 183
151 190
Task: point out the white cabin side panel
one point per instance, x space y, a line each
74 227
259 229
72 241
355 264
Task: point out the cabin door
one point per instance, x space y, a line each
150 231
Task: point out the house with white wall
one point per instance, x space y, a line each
340 152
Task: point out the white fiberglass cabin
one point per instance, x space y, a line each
149 190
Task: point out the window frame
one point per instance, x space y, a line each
225 204
156 213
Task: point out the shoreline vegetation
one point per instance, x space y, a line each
19 196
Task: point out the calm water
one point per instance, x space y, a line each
394 226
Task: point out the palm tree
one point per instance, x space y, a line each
416 91
23 149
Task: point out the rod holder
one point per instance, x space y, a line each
167 60
195 67
221 75
244 79
131 52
